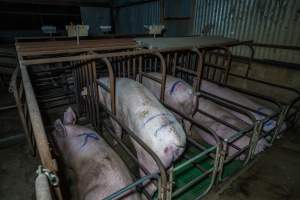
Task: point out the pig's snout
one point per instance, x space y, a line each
174 150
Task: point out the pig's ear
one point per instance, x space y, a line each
60 128
69 116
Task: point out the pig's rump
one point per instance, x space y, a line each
239 98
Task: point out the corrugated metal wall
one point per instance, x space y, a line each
131 20
178 17
95 17
264 21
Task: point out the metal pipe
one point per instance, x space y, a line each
4 108
121 192
11 140
37 126
14 89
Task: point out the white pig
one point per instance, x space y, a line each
178 93
97 169
242 99
223 131
148 119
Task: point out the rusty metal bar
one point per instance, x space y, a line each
37 125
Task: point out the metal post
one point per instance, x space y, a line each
280 122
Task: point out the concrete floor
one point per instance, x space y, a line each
275 175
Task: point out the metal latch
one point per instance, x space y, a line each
52 177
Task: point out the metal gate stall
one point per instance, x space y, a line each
34 124
216 63
200 167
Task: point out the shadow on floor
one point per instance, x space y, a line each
276 176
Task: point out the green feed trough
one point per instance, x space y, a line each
190 173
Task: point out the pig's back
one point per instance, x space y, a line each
178 93
234 96
98 169
107 174
134 101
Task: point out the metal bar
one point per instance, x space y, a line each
131 186
18 98
200 155
190 184
79 50
38 128
98 56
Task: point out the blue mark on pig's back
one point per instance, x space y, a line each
88 136
154 116
174 86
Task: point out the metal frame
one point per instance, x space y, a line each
85 58
286 111
119 65
208 72
181 64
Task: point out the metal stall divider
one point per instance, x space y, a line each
33 126
180 64
116 64
289 110
87 87
207 151
22 86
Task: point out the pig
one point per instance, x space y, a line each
241 99
223 131
97 170
143 114
178 93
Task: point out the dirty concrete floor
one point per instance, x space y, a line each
275 176
17 173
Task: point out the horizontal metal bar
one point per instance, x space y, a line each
200 155
191 183
11 140
4 108
276 46
266 83
131 186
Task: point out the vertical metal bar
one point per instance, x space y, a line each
134 68
112 85
38 128
199 69
254 139
280 122
140 69
14 87
174 64
228 58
